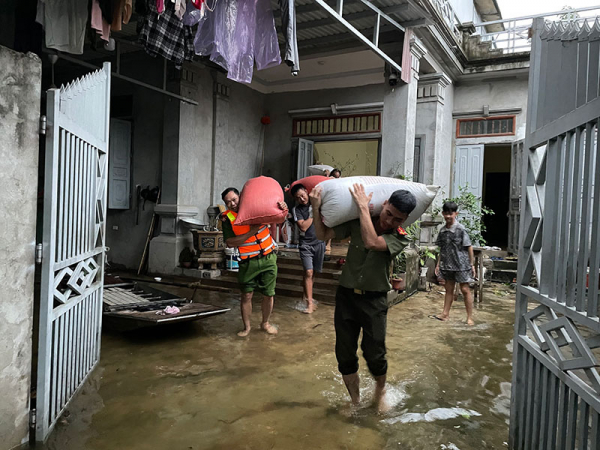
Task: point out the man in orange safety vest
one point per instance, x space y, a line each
258 265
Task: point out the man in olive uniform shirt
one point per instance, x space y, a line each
361 298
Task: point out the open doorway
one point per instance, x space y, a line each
351 157
496 193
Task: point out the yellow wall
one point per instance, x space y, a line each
351 157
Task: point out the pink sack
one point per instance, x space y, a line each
308 182
258 202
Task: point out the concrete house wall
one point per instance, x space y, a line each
280 162
497 93
20 84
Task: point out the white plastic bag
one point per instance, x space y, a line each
338 206
319 169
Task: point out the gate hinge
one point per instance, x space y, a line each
39 249
42 124
32 419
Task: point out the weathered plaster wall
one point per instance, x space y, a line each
498 93
127 242
239 137
280 162
20 84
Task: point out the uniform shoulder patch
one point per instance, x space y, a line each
401 231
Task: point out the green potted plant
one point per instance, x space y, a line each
186 257
398 278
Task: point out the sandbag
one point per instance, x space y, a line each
338 206
258 202
319 169
308 182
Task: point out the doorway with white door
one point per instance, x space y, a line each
485 171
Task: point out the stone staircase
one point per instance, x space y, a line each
504 270
289 278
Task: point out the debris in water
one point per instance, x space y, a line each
432 415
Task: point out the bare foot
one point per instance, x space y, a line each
470 322
383 406
268 328
349 409
310 308
441 317
245 332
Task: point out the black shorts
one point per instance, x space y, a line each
312 256
354 312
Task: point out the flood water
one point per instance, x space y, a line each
199 386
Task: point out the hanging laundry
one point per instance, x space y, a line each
98 23
166 35
160 6
179 8
106 6
64 24
238 34
121 14
288 28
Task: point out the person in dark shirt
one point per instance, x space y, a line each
312 251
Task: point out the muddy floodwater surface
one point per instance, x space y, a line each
199 386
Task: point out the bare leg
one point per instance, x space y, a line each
466 292
308 291
380 398
352 383
246 307
448 299
267 309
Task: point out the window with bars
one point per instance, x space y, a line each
485 126
354 124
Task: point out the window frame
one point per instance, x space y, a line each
474 119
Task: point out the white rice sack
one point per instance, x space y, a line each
338 206
319 169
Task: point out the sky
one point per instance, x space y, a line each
517 8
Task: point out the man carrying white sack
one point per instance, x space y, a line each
361 297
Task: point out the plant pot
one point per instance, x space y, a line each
399 283
424 271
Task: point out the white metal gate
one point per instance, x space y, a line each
556 385
73 242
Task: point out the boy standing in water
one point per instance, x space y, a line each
456 261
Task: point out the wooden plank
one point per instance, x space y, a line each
77 204
55 370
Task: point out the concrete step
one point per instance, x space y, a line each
505 264
229 280
503 276
318 282
296 269
294 259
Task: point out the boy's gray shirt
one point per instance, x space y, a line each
454 243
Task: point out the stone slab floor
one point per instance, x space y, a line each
199 386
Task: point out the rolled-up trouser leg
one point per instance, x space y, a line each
347 330
374 323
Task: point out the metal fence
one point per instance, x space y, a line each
556 386
516 34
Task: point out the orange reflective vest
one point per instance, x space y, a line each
260 244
